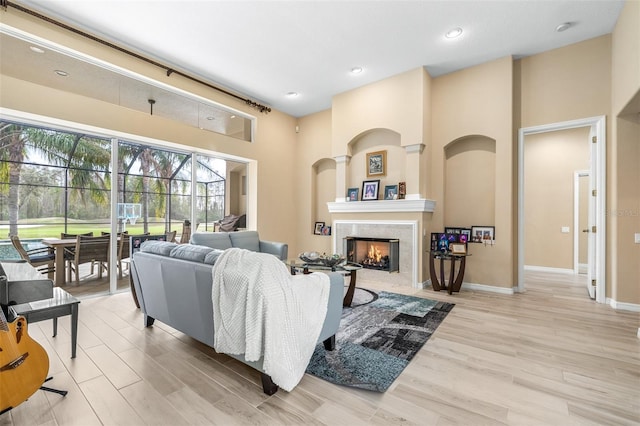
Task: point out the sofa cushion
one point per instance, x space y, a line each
162 248
217 240
212 256
248 240
192 252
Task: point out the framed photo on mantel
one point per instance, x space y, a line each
370 189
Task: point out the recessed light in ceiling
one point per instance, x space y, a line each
36 49
292 94
356 70
453 33
563 27
233 116
210 118
61 73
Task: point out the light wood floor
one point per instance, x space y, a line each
549 356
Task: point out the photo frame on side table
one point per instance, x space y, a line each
370 189
458 248
377 163
483 234
317 229
391 192
352 194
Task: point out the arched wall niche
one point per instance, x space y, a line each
470 181
374 140
323 181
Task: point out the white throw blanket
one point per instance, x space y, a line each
260 309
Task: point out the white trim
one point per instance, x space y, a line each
549 269
342 159
623 306
382 206
414 242
488 288
419 147
598 125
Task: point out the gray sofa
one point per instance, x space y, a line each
173 285
243 239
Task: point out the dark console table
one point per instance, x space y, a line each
455 279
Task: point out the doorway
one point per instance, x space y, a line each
597 189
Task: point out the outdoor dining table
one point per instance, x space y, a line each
58 246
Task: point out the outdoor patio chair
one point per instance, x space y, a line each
41 258
89 249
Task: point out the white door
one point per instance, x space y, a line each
593 211
582 193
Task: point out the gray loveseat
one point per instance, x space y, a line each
173 284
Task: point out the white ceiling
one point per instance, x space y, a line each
266 49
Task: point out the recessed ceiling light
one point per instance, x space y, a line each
356 70
292 94
453 33
211 118
61 73
233 116
36 49
563 27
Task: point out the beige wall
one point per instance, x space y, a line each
313 145
478 101
623 206
551 160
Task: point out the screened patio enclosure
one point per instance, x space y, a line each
55 182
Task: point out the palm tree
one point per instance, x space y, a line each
85 159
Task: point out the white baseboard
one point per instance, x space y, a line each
623 306
479 287
489 288
548 269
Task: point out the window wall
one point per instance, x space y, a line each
55 181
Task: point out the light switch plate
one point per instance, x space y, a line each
637 239
565 229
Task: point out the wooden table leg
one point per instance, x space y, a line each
452 274
348 298
60 269
458 283
432 273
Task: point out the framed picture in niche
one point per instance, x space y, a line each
377 163
352 194
317 229
465 235
483 234
370 189
391 192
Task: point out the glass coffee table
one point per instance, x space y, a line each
347 269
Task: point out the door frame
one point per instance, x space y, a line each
576 218
598 178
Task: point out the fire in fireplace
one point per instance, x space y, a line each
374 253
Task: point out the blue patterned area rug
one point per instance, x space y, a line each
377 339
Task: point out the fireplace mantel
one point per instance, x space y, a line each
382 206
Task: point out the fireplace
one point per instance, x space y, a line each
382 254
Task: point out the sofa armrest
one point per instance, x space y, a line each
334 305
280 250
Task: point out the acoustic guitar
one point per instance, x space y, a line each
24 364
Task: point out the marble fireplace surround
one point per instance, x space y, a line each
404 230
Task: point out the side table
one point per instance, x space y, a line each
349 270
455 280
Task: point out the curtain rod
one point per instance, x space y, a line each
260 107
